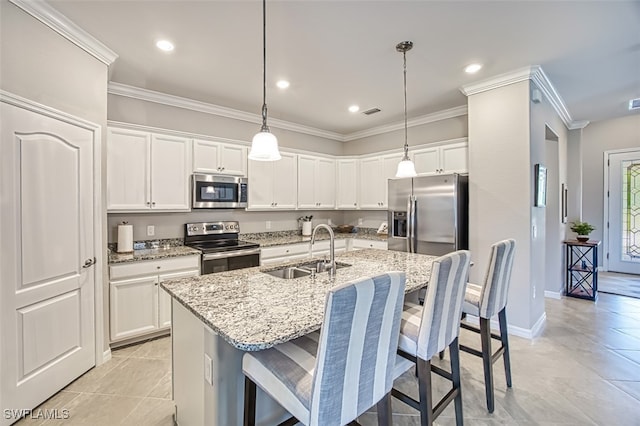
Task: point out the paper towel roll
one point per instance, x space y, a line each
125 238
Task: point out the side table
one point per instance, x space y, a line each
582 269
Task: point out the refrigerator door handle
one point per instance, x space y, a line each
413 218
409 227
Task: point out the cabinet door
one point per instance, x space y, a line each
260 184
326 183
285 187
206 156
389 169
128 170
454 158
133 307
347 184
371 190
170 172
164 299
427 161
307 182
233 160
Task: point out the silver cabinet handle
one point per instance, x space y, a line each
89 262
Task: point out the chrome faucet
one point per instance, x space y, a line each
332 253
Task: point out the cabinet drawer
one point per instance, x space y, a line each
320 246
362 244
149 267
284 251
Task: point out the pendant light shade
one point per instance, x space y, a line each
264 146
406 168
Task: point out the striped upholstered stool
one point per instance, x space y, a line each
486 301
333 376
428 329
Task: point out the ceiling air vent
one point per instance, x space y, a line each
371 111
634 104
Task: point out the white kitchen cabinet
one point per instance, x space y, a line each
347 184
137 304
219 158
316 182
361 243
147 171
273 184
374 174
450 158
288 252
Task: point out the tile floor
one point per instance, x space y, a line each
621 284
584 369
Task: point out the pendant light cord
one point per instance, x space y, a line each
264 128
406 144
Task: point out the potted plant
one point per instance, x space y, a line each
583 229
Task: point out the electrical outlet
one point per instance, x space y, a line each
268 224
360 221
329 222
208 369
151 231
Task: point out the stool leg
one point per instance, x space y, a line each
485 338
249 402
384 410
454 351
504 337
425 392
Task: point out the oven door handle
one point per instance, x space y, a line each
232 253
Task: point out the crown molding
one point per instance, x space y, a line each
55 20
418 121
536 74
125 90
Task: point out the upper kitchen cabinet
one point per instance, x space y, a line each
316 182
219 158
147 171
450 158
374 174
273 184
347 184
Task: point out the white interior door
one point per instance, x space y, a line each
46 236
624 212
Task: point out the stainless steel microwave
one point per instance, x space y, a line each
219 192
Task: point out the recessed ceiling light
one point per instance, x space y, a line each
164 45
283 84
473 68
354 108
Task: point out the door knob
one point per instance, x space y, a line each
89 262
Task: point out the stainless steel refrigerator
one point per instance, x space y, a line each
429 214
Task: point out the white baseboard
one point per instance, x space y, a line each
553 294
106 355
527 333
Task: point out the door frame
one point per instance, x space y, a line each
101 355
605 198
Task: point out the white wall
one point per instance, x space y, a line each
597 138
500 188
39 64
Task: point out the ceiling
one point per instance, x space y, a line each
339 53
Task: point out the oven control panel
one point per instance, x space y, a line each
212 228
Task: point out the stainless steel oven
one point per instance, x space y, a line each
218 191
220 247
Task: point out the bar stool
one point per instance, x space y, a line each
428 329
484 302
332 377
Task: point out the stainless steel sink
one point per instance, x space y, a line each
289 273
303 270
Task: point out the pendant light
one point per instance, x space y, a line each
264 146
406 168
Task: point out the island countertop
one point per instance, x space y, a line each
252 310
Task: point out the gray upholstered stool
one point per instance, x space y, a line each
332 377
486 301
428 329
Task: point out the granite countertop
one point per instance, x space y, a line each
151 254
252 310
270 239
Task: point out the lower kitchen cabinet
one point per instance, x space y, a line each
137 304
358 244
288 252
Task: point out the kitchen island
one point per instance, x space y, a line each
217 317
